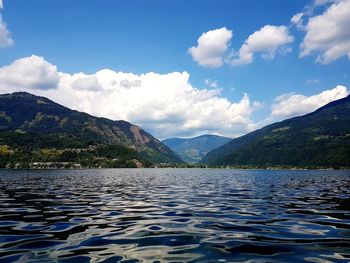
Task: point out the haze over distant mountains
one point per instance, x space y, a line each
192 150
318 139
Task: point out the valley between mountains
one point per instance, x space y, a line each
36 132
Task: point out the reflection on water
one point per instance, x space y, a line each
174 215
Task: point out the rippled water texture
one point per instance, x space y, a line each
174 215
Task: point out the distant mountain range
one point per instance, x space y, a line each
35 131
320 139
29 123
192 150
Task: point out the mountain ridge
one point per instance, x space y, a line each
318 139
22 112
192 150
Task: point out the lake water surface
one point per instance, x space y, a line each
174 215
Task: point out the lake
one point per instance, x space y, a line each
174 215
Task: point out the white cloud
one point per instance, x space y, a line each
164 104
328 34
5 36
212 47
291 105
129 84
212 83
312 81
321 2
268 40
29 73
297 20
86 82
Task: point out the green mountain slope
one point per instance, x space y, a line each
31 121
319 139
192 150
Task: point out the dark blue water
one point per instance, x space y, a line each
174 215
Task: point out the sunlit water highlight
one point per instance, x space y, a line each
174 215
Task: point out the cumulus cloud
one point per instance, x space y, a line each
29 73
86 82
1 5
129 84
291 105
268 40
212 47
328 34
164 104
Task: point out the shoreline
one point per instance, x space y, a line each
184 168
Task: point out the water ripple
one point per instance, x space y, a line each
174 215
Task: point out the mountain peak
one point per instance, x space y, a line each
34 114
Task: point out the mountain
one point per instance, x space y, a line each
37 122
192 150
320 139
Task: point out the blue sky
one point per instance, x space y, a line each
139 37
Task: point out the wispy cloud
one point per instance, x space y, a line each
5 35
212 83
312 81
